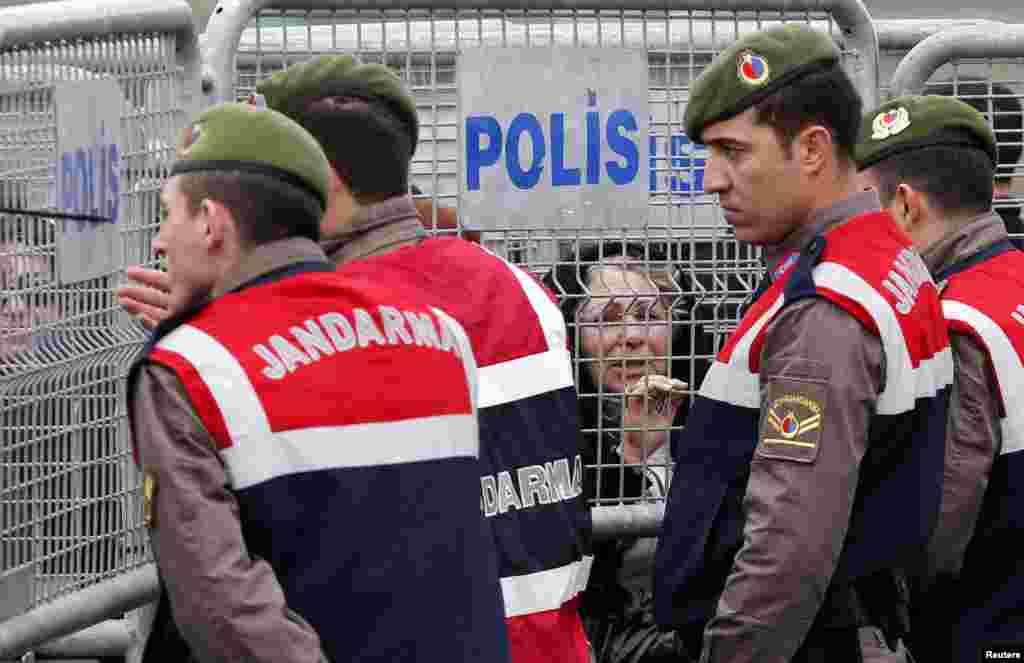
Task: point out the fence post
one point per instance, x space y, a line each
79 564
903 34
225 27
79 610
993 40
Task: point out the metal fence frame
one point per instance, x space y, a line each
903 34
35 23
931 43
67 22
225 27
991 40
856 31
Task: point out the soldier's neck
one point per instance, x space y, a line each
377 229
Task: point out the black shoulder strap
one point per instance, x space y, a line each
987 253
801 284
304 267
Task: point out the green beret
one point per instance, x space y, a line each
335 76
752 69
251 139
913 122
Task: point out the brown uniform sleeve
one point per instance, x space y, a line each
821 373
228 606
973 439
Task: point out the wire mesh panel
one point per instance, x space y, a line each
684 274
984 66
69 509
995 87
897 36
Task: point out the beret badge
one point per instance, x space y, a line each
752 68
889 123
190 138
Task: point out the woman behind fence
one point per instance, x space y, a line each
617 301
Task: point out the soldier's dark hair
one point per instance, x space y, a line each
366 142
1001 108
957 180
265 208
826 97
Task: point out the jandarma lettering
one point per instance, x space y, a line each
531 485
796 399
335 332
905 279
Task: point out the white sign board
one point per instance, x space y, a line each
553 137
88 174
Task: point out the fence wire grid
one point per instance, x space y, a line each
686 252
655 301
70 512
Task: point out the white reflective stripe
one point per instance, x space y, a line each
904 384
234 394
254 460
534 374
466 352
733 382
545 590
258 454
1007 364
522 378
551 320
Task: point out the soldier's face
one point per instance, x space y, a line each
184 241
757 179
625 328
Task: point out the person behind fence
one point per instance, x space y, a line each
305 499
617 300
934 174
29 307
1007 118
531 470
808 475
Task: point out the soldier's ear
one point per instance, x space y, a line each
815 148
218 224
909 206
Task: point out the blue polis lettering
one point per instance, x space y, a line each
486 142
90 180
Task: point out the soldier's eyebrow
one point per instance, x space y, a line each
727 141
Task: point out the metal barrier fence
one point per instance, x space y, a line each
983 65
69 513
68 490
686 250
897 36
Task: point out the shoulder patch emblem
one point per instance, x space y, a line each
792 422
889 123
148 497
752 68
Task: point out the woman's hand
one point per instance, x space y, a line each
651 403
146 296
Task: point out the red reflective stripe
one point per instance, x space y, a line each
552 636
200 395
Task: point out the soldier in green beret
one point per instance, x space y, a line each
366 120
934 169
289 467
804 481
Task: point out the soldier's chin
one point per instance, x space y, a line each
183 300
